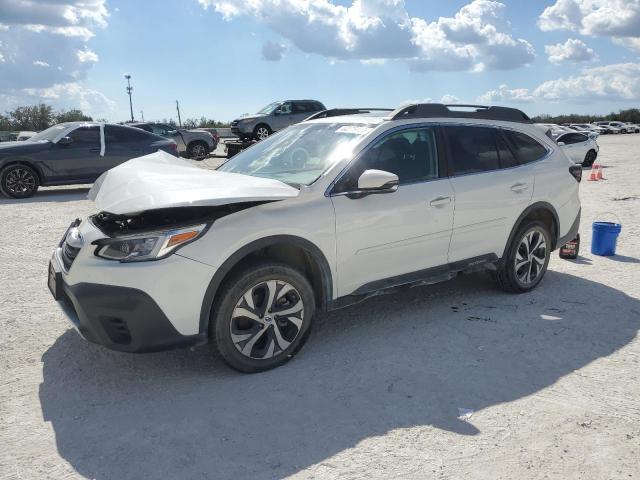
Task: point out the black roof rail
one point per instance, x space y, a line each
336 112
483 112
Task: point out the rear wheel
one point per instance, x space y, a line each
198 150
262 317
527 259
19 181
589 158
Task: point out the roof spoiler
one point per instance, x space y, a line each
438 110
336 112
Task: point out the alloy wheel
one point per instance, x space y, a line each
531 257
198 151
262 133
267 318
20 181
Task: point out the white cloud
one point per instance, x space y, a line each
449 99
610 82
51 32
273 51
572 50
503 94
616 82
87 55
477 37
608 18
62 95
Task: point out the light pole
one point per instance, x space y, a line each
129 89
178 109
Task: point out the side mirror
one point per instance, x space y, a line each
277 111
375 181
561 143
65 141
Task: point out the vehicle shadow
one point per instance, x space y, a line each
51 195
395 361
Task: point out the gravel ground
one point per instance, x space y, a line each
457 380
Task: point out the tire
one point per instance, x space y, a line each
246 333
197 150
589 158
514 280
262 131
19 181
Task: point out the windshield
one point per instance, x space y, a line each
299 154
269 108
49 134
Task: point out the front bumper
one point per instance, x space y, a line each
120 318
131 307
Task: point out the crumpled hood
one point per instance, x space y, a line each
160 180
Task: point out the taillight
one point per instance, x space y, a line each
576 171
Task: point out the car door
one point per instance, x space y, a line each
491 190
122 144
78 160
282 117
382 237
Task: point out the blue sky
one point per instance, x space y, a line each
228 57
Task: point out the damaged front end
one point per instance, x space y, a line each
156 234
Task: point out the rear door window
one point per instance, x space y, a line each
526 148
571 138
472 149
114 134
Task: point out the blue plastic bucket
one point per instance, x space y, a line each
605 235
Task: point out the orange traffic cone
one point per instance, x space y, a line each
600 175
593 174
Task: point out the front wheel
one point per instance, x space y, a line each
19 181
262 317
527 259
261 132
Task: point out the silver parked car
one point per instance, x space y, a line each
195 144
274 117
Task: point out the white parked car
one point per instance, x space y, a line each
25 135
579 147
634 127
587 129
318 216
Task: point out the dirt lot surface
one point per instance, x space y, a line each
457 380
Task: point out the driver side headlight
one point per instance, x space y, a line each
147 246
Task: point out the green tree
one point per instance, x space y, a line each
73 115
35 117
5 123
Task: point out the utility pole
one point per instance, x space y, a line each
142 115
178 108
129 89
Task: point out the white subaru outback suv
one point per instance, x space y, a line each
316 217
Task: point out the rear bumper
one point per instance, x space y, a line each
572 233
121 318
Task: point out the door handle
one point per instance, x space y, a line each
94 150
439 201
519 187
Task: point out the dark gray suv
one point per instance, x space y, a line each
274 117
